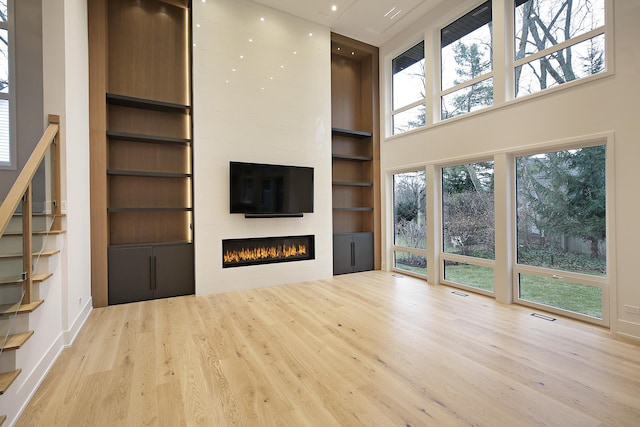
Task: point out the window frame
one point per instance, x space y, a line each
440 93
397 248
503 68
465 259
605 282
604 30
393 110
10 94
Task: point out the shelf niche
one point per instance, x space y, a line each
355 154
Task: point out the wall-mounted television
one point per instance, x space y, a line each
258 189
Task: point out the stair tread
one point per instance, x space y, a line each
16 341
11 280
8 309
41 277
15 280
7 378
43 253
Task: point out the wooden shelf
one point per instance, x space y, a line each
354 209
148 104
148 174
352 133
349 157
154 139
114 210
353 184
136 245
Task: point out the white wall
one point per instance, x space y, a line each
603 105
274 108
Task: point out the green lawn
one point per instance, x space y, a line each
569 296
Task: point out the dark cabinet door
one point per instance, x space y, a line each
352 252
363 251
130 274
342 253
173 270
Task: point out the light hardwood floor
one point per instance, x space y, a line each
364 349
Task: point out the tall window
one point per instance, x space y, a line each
561 230
408 108
467 65
557 41
468 231
5 140
410 222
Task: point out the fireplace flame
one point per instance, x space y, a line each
272 252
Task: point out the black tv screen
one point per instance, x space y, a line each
265 189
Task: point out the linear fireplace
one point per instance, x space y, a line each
266 250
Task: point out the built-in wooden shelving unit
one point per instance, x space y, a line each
355 155
140 118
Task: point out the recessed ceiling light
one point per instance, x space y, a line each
339 48
353 53
282 66
389 13
262 18
250 40
310 34
194 45
295 53
233 69
241 56
334 8
198 25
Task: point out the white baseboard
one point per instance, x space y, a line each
78 323
626 329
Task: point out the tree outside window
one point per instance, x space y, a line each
557 41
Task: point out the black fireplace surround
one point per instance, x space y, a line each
267 250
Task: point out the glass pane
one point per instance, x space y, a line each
409 119
410 262
575 62
561 210
470 98
3 10
408 77
540 24
409 209
5 146
556 293
4 61
467 210
466 47
470 275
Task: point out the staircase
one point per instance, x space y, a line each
30 230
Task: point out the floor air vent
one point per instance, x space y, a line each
542 316
460 294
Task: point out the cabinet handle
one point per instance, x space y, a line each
155 273
152 270
353 253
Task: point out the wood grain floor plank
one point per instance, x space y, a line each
367 349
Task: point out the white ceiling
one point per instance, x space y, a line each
371 21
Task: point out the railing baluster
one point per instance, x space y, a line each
27 243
